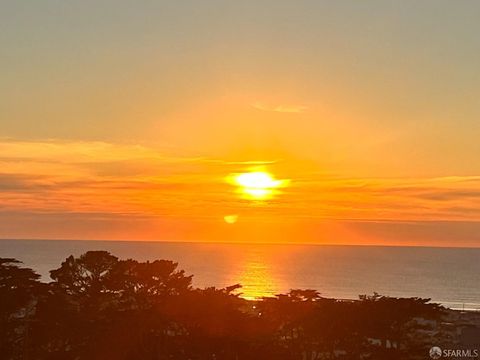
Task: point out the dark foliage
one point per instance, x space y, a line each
100 307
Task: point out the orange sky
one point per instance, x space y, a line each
60 189
124 121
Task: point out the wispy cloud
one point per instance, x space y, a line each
279 108
102 177
63 176
90 178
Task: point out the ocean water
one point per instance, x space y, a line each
450 276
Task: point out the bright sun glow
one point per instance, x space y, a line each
257 185
257 180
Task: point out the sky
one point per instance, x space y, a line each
125 119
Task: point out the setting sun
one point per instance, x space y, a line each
257 185
257 180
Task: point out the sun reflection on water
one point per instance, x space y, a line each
256 278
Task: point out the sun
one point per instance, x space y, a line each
257 185
257 180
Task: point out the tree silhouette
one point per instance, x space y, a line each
99 307
86 274
148 282
19 288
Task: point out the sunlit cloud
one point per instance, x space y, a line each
97 182
98 176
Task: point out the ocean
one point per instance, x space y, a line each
450 276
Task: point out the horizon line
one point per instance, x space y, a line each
246 243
